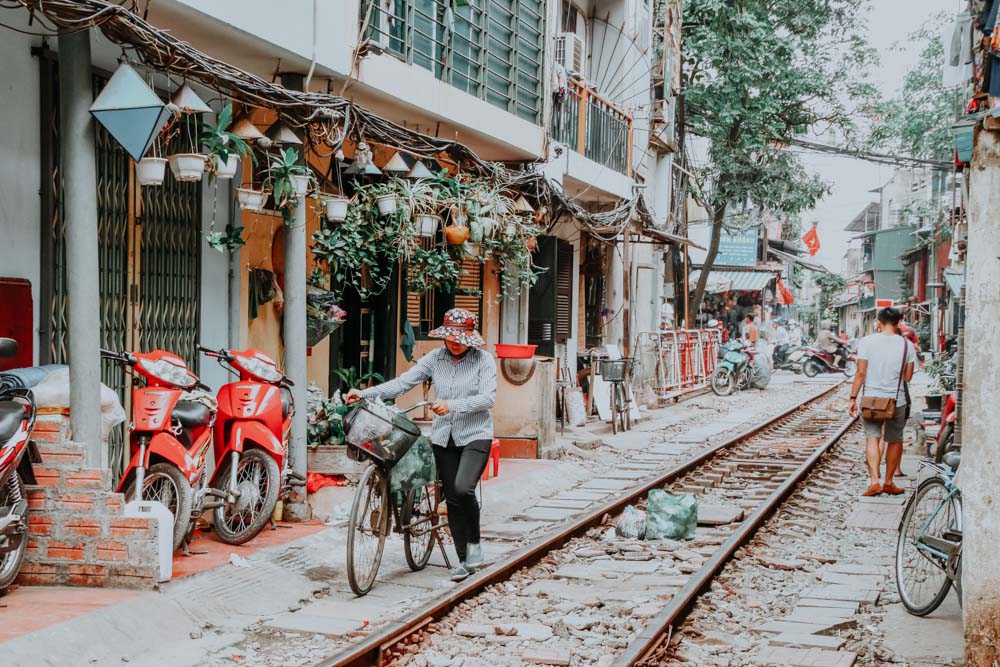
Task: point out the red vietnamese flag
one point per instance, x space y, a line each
811 239
785 297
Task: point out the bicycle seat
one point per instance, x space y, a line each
11 415
952 459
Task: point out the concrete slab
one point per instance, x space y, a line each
798 657
565 504
322 625
582 494
863 581
934 640
718 515
788 626
551 514
563 590
835 592
807 641
860 568
510 529
607 484
845 605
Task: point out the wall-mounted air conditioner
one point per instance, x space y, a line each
569 52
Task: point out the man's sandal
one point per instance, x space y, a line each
873 490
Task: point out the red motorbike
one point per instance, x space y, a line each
816 361
17 418
169 436
251 442
946 435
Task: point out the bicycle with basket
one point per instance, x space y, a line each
383 436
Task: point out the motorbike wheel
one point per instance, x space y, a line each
10 562
167 485
258 480
812 368
945 443
850 368
723 381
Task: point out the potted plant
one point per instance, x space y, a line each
421 199
250 199
456 233
289 180
386 203
188 166
336 208
151 170
224 148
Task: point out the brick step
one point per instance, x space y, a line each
61 455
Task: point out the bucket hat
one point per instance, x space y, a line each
459 326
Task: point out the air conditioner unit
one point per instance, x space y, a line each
569 52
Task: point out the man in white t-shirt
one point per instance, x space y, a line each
885 362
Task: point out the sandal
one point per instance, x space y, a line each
892 490
873 490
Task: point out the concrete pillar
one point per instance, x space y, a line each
614 300
79 173
294 321
980 472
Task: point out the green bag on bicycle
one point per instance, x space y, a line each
414 470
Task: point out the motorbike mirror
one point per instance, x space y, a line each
8 348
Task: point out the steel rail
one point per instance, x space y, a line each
368 652
656 631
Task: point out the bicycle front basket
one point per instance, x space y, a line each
392 434
369 420
613 370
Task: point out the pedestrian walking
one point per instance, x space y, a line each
885 362
465 390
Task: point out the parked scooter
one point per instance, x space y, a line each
17 418
816 361
735 370
946 436
788 357
168 438
251 442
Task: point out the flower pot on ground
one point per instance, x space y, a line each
456 234
187 166
151 170
336 208
386 203
226 169
250 199
427 224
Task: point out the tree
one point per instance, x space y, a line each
757 74
917 122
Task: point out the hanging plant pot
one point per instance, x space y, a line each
226 170
510 230
531 243
336 208
250 199
151 170
456 234
300 185
386 204
427 224
188 166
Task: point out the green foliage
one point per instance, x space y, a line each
942 370
222 143
280 173
229 240
830 287
918 120
350 379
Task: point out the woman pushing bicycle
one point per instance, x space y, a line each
465 390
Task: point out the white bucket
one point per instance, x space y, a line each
151 509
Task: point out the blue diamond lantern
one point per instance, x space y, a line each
130 111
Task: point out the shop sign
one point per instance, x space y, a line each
738 248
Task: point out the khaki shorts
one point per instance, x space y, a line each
893 427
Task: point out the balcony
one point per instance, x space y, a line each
493 50
594 128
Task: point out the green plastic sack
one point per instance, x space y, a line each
671 517
414 470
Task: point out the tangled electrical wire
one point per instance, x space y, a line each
328 119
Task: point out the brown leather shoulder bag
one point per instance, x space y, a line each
878 409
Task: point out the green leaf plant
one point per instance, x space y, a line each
220 142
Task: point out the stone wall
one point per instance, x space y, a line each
77 535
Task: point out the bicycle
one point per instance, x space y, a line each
929 549
616 373
382 437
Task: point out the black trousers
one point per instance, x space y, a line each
460 469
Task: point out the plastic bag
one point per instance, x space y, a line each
760 374
323 315
631 524
53 392
671 517
576 411
415 469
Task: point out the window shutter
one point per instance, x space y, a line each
542 298
564 291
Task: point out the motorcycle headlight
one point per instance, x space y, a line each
169 372
260 368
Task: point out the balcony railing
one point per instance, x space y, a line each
491 49
594 127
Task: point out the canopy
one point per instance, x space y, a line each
955 281
737 281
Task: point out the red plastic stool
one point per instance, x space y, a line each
494 459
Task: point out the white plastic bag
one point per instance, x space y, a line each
631 524
53 392
576 411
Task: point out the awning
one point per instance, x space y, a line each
955 280
737 281
784 256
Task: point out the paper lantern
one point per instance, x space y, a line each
419 170
188 101
130 111
396 163
280 133
244 128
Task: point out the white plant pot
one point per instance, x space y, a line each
300 184
336 208
386 204
187 166
226 170
471 249
427 225
151 170
511 229
249 199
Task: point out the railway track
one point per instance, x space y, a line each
746 477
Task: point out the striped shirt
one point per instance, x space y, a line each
469 386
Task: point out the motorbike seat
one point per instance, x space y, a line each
286 402
11 416
192 414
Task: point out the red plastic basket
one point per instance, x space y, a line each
508 351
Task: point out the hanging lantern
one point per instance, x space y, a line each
362 164
521 205
396 164
280 133
130 111
244 128
419 170
188 101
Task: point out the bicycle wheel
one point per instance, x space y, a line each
419 519
614 409
921 577
626 410
367 530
